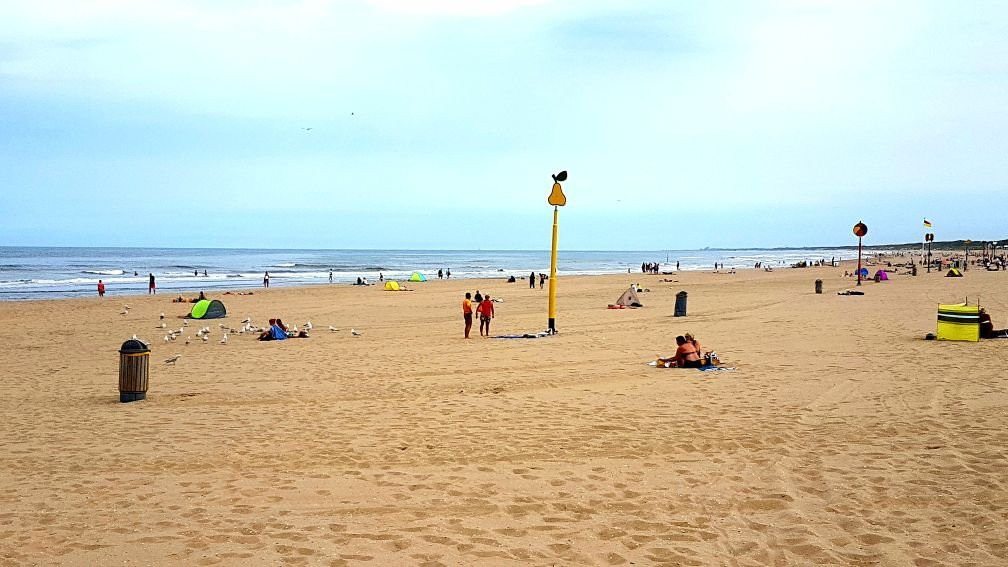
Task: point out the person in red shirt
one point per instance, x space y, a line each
486 312
101 288
686 355
467 313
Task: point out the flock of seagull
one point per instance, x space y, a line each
203 333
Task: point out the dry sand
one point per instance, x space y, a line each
842 438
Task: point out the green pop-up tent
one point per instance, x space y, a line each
208 309
417 277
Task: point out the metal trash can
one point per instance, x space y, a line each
818 286
680 304
134 361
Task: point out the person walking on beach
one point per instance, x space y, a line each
467 313
330 276
151 287
266 279
101 288
440 274
478 298
677 265
532 280
542 279
195 273
448 274
486 312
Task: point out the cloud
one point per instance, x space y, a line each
463 8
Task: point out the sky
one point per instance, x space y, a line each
437 125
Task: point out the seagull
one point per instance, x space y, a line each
164 325
333 329
162 316
135 338
308 325
124 312
306 129
188 340
126 307
224 340
205 338
172 359
247 319
185 323
166 339
355 332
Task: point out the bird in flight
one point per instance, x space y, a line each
306 129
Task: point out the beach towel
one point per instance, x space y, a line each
707 368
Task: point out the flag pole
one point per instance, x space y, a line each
557 199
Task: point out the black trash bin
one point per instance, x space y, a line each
680 304
134 361
818 286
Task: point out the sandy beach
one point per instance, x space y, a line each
841 438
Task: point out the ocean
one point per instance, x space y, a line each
58 272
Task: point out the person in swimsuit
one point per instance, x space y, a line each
686 356
486 312
467 313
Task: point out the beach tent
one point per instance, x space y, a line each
881 276
417 277
391 286
208 309
958 322
864 272
629 298
953 273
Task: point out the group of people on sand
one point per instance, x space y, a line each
687 354
267 334
181 299
483 306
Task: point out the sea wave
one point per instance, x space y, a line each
104 272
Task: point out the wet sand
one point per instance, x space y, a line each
841 438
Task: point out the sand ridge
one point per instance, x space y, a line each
842 437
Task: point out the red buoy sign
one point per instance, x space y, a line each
860 229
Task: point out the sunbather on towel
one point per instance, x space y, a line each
686 355
690 339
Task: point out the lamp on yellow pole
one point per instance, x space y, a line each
557 199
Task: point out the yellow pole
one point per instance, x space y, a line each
552 282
